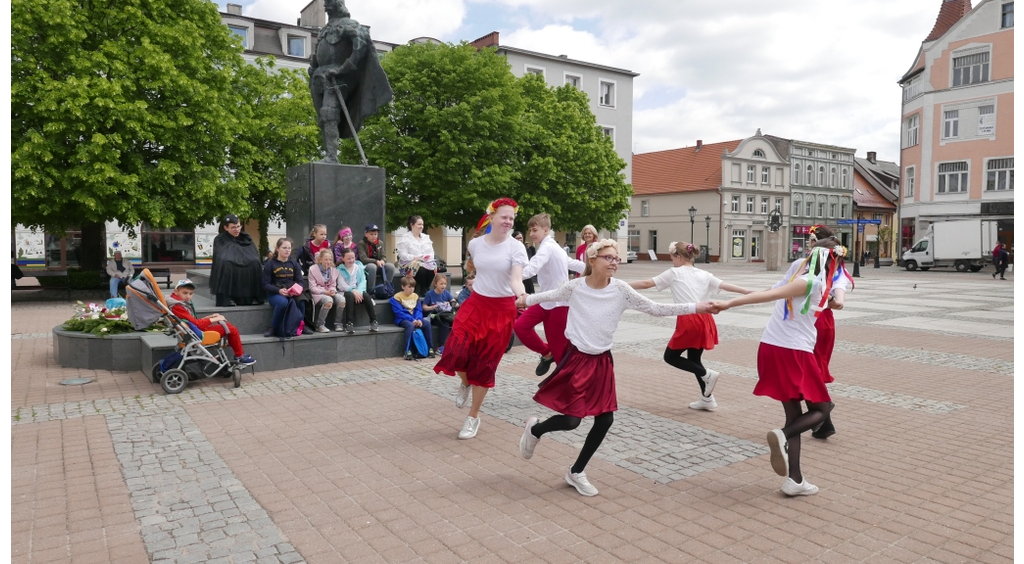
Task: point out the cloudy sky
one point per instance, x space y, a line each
816 70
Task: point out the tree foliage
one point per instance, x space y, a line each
121 111
463 131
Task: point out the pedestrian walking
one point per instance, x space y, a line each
1002 262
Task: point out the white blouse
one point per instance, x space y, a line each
594 314
410 249
494 265
688 284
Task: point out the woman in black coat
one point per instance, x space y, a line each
237 273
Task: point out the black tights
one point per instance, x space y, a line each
596 435
798 421
690 364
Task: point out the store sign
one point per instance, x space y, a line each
737 247
801 229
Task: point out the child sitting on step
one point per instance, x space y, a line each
181 306
409 316
441 306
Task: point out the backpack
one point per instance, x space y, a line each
292 322
383 291
418 346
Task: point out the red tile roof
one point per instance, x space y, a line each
866 196
680 170
950 13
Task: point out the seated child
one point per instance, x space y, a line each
181 306
467 288
327 288
409 316
441 306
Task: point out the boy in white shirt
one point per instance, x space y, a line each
551 267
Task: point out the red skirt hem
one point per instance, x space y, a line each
789 375
694 331
479 337
582 385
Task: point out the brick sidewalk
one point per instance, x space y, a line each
358 462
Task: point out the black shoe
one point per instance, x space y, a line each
825 431
1001 278
544 365
994 274
268 333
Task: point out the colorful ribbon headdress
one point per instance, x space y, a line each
485 221
815 263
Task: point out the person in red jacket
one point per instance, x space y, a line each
181 306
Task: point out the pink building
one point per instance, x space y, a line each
956 154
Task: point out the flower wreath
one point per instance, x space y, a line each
818 256
485 221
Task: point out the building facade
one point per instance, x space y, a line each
755 180
821 192
876 186
956 142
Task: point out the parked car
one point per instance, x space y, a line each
630 256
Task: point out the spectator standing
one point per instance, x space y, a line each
1002 262
237 272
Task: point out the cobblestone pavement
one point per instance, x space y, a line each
359 462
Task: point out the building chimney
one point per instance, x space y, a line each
872 157
700 143
235 9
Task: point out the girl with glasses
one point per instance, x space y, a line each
583 383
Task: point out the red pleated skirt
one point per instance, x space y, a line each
479 337
788 374
694 331
582 384
826 326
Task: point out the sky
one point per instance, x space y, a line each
823 71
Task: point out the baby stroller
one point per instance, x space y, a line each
199 354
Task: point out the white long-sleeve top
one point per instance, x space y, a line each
410 249
594 314
551 267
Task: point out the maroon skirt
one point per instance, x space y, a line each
582 384
826 326
789 375
694 331
479 337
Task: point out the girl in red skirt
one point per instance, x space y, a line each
583 383
694 333
786 366
483 327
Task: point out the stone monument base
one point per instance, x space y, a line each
336 195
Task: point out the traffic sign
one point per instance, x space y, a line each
859 222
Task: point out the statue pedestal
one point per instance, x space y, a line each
335 195
773 259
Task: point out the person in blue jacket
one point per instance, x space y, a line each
409 316
353 275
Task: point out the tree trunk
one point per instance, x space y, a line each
93 253
264 230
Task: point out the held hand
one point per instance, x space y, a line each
283 291
216 318
719 306
417 323
330 292
704 307
521 301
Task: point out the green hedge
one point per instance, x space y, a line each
78 279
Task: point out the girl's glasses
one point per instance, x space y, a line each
611 259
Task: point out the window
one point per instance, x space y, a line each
832 178
735 203
809 207
766 174
910 137
539 71
296 46
810 175
750 204
62 252
573 80
609 132
951 124
750 173
241 32
912 88
778 204
970 69
844 208
167 244
758 154
846 173
833 206
606 93
921 246
986 120
1007 20
764 205
796 174
953 177
999 174
797 202
821 176
908 190
634 240
821 209
645 208
738 242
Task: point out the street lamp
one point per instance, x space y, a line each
707 248
693 215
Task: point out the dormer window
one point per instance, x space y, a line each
758 154
241 32
296 46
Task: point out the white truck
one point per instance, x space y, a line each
964 244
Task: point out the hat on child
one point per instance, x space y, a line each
371 227
345 232
185 283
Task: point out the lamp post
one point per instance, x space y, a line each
693 215
707 249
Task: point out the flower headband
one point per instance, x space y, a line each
485 221
596 247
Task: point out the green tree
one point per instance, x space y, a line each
280 132
121 111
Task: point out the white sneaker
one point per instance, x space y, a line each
461 396
780 451
469 428
528 442
705 404
710 379
792 489
581 483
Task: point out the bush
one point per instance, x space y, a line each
85 279
51 281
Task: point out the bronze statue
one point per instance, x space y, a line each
345 78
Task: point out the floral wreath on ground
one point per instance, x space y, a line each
97 320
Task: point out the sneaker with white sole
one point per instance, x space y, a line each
705 404
462 396
780 451
469 428
710 379
793 489
528 442
581 483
